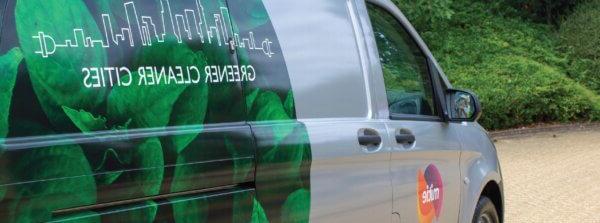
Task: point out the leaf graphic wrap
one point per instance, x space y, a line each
297 207
51 174
150 106
283 160
9 64
115 142
258 213
85 121
142 213
57 79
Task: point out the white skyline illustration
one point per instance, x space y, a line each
190 24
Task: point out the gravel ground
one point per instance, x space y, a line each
551 177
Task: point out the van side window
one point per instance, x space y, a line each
119 79
408 84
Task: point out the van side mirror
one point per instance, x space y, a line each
463 106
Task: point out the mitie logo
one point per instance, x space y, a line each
430 194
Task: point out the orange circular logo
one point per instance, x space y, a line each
430 194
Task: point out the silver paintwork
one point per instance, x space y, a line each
349 183
338 84
479 163
326 66
320 49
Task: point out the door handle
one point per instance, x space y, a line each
405 138
369 138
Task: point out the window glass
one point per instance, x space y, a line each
103 65
408 85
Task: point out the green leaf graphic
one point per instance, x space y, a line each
152 106
288 153
85 121
9 65
190 109
242 207
142 213
296 208
116 15
2 190
252 14
146 106
268 107
188 177
59 174
250 98
289 105
108 176
57 79
148 160
288 157
186 210
241 167
258 213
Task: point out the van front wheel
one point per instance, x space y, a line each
485 212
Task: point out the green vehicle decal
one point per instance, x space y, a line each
137 111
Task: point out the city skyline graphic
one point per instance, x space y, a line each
141 30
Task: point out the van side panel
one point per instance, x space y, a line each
283 170
317 39
211 207
348 182
479 164
283 152
109 105
133 111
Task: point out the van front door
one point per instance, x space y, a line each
425 156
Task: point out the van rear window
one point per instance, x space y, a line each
87 66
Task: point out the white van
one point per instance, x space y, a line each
233 111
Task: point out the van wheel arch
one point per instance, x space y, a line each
492 191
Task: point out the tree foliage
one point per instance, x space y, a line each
427 15
550 12
580 39
513 63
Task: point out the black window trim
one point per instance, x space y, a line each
438 98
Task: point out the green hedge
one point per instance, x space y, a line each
518 91
546 11
580 39
513 64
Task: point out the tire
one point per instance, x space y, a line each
485 212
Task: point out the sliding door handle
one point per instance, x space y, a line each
369 140
405 138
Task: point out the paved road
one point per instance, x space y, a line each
551 177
